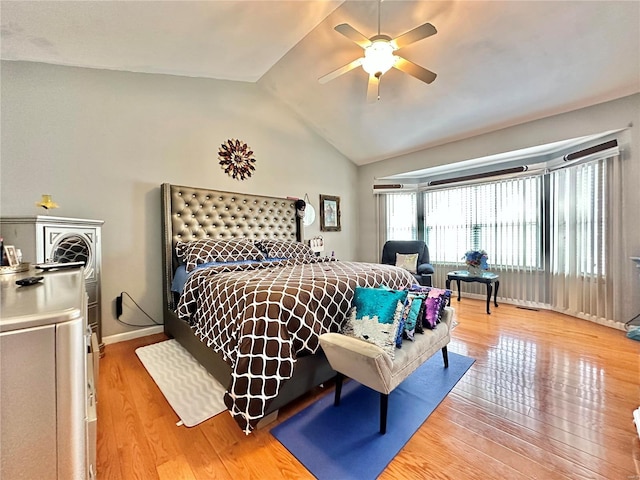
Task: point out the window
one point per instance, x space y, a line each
401 216
578 229
553 236
502 218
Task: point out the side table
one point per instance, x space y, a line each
487 278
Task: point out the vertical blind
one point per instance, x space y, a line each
578 239
550 237
401 217
503 218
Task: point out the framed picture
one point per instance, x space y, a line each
12 256
329 213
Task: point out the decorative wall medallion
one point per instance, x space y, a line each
236 159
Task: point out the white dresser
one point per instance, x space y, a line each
47 392
44 238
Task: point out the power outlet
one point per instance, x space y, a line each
119 306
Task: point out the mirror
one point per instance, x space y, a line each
309 215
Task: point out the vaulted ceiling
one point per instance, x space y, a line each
498 63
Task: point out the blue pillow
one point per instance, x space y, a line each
179 279
378 302
375 317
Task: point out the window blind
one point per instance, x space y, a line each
503 218
401 216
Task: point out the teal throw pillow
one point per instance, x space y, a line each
378 302
375 317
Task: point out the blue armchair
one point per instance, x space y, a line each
424 269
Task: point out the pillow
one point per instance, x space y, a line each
179 279
284 249
412 317
423 308
181 252
403 317
406 308
378 302
208 250
408 262
432 315
375 317
435 302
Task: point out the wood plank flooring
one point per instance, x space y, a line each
549 397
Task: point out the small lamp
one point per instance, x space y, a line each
46 202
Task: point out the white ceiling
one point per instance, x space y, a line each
498 63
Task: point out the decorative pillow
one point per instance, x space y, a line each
403 316
435 302
412 317
421 312
378 302
208 250
432 314
375 317
284 249
403 321
407 261
181 252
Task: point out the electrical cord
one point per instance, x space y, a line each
628 324
142 310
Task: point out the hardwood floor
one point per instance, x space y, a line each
548 397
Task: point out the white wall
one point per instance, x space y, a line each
101 142
616 114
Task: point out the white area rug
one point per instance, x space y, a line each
191 391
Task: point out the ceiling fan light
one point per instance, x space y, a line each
378 58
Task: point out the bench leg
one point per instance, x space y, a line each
384 404
339 379
445 356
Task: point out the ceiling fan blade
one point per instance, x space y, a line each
414 70
418 33
352 34
373 89
336 73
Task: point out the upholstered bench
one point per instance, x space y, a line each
371 366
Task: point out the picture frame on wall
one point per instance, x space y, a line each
329 213
12 255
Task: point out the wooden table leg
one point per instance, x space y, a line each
489 288
458 282
495 293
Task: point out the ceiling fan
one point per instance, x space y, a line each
379 56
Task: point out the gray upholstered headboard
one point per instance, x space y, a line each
190 213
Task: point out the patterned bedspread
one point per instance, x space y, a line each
261 316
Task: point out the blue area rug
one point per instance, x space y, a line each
344 442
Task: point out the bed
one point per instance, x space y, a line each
255 326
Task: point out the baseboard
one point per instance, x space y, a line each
123 337
540 306
501 300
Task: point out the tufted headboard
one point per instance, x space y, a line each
190 213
